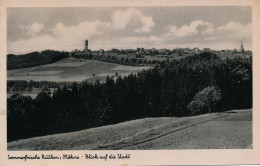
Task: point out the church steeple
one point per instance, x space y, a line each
242 50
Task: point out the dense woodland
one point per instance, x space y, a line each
34 59
20 86
194 85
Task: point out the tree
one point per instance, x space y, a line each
41 116
44 88
205 101
19 109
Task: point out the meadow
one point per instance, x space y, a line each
73 70
229 130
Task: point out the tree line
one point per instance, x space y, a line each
19 86
194 85
129 59
34 59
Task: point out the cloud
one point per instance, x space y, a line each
62 37
80 31
194 28
121 19
38 43
234 29
33 29
129 29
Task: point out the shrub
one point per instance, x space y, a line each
205 101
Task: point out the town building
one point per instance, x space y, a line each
206 50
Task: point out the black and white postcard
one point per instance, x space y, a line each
129 82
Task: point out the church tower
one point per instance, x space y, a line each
242 50
86 45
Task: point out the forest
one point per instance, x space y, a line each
194 85
20 86
34 59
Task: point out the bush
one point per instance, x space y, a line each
205 101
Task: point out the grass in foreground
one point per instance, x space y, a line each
227 130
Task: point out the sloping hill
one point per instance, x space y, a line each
227 130
72 70
33 59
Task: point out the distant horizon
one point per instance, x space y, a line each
129 49
65 29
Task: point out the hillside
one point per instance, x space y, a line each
191 86
33 59
226 130
74 70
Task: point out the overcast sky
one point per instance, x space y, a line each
37 29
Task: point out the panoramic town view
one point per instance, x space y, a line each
132 78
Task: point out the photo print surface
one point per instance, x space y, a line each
129 78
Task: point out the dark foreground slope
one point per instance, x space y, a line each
226 130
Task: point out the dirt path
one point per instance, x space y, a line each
227 130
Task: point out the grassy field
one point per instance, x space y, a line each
71 69
226 130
